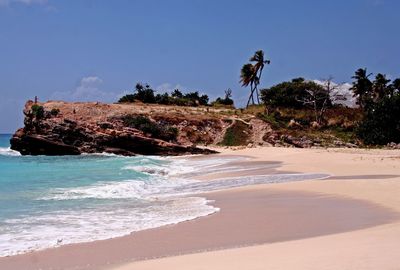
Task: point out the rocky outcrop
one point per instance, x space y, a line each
76 128
62 128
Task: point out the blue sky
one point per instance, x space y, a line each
97 50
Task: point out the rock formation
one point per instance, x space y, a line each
75 128
65 128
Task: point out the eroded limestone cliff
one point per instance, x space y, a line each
61 128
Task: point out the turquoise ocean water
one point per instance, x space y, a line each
50 201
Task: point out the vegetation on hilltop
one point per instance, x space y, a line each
146 94
37 111
300 107
380 103
226 101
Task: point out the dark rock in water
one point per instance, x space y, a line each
39 145
58 135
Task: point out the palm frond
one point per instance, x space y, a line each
247 74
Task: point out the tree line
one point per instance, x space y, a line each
146 94
378 99
380 102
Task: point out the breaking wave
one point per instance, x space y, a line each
6 151
50 201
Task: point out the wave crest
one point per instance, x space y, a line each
6 151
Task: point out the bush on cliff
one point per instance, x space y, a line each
145 94
226 101
156 130
127 98
37 111
292 94
237 134
54 111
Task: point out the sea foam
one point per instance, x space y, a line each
6 151
98 197
87 224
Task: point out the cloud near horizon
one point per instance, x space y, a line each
88 89
25 2
344 90
168 87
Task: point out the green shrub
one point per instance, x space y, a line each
380 103
156 130
221 101
226 101
54 111
381 123
177 94
237 134
136 121
274 119
37 111
169 133
127 98
292 94
163 99
143 93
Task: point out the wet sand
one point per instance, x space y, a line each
350 221
246 218
357 174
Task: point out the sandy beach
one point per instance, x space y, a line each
367 175
348 221
199 135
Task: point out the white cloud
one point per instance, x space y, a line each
343 90
168 87
25 2
88 89
90 81
30 2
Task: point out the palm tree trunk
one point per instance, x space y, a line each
259 78
248 102
258 96
252 93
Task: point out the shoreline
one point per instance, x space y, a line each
184 196
265 217
308 191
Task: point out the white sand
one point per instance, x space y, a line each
370 175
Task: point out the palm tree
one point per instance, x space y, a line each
394 87
258 58
250 74
380 88
396 84
248 77
362 86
